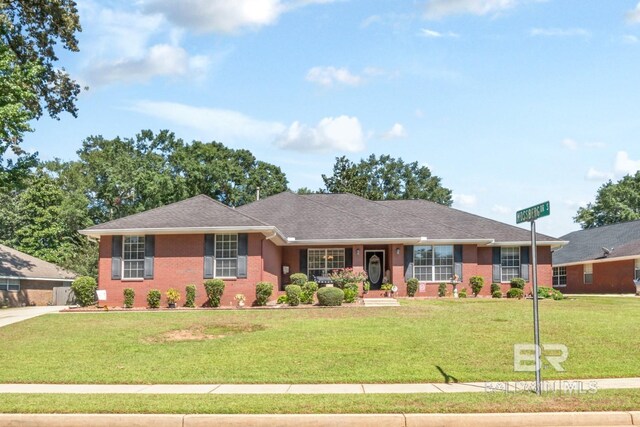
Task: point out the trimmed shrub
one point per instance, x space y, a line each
518 283
515 293
129 295
442 290
173 296
462 293
190 299
153 298
308 291
298 279
496 294
293 294
214 289
350 292
263 292
412 287
545 292
476 283
330 297
84 288
282 299
495 287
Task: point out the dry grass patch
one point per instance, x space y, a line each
202 332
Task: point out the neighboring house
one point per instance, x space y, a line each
599 260
270 239
27 280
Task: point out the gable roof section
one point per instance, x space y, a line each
16 264
586 245
199 212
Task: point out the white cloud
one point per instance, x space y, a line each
419 113
440 8
595 144
342 133
396 131
224 16
575 204
633 16
223 125
624 165
433 34
500 209
570 144
328 76
160 60
370 20
630 39
466 200
559 32
597 175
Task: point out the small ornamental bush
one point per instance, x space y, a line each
129 295
518 283
341 278
293 294
153 298
462 293
544 292
214 289
282 299
330 297
442 290
496 294
299 279
84 288
515 293
263 292
495 287
309 289
412 287
173 296
476 283
190 300
350 292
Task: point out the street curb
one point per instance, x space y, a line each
573 419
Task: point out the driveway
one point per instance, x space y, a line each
18 314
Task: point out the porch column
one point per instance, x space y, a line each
358 258
397 267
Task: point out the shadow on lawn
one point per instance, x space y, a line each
447 378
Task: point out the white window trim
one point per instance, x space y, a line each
559 275
519 267
433 265
326 250
636 274
4 284
137 278
585 273
215 257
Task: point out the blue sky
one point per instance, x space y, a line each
510 102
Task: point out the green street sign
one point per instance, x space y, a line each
533 213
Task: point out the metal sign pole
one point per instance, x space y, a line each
536 325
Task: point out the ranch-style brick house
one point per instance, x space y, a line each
270 239
599 260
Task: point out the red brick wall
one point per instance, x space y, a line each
611 277
179 261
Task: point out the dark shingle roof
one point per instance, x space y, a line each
198 211
586 245
14 263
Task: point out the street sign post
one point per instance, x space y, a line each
531 214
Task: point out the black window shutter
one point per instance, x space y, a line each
408 262
303 262
243 252
524 262
348 258
116 257
497 263
457 261
209 249
149 255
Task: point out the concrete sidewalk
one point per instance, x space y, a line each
18 314
568 386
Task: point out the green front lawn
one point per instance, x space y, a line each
422 341
605 400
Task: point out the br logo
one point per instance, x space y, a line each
524 356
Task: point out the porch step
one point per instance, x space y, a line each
381 302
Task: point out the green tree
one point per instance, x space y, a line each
386 178
30 79
615 202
